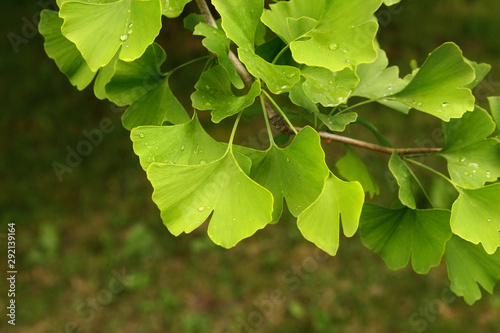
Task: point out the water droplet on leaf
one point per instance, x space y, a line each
141 135
123 38
201 209
334 47
445 104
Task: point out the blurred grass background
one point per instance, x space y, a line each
76 236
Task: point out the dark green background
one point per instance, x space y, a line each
74 236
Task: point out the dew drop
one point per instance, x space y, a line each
474 171
474 165
130 25
202 162
207 87
334 47
288 159
123 38
489 220
439 110
208 207
445 104
130 31
141 135
290 75
347 61
390 87
201 209
463 159
182 147
128 11
414 103
234 219
344 51
466 173
420 104
488 174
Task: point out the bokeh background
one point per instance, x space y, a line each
94 256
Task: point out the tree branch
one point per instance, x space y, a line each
281 126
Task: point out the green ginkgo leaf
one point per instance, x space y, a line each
391 2
173 8
130 26
495 112
187 196
141 85
469 266
396 235
338 122
480 70
377 81
401 172
436 88
240 19
104 76
353 168
65 54
320 222
475 216
184 144
344 36
213 92
217 42
328 88
279 78
301 165
472 159
299 97
292 19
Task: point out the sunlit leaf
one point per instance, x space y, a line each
338 122
99 30
217 42
240 19
495 112
173 8
320 222
391 2
469 266
475 216
296 173
213 92
187 196
480 70
184 144
472 159
65 54
343 37
328 88
353 168
400 170
437 86
397 234
377 81
279 78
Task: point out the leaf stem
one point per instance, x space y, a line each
283 50
266 119
233 131
357 105
420 186
280 111
433 171
187 64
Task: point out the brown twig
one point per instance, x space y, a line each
281 126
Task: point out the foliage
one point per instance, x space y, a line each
316 60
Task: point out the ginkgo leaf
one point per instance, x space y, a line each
279 78
67 57
436 88
377 81
320 222
472 159
328 88
285 17
104 76
400 170
480 70
299 97
173 8
495 112
141 85
217 42
130 25
213 92
184 144
240 19
391 2
343 37
475 216
338 122
353 168
396 235
187 195
296 173
469 266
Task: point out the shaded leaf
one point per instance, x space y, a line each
475 216
353 168
495 112
319 223
173 8
397 234
480 70
213 92
469 266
